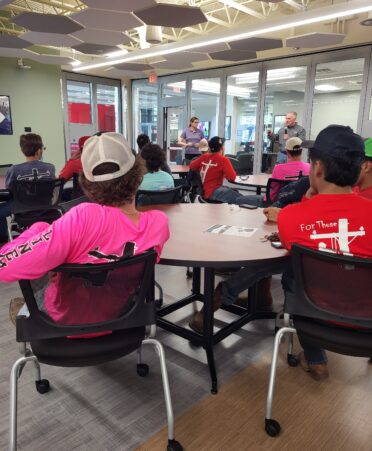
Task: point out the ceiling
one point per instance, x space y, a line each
133 38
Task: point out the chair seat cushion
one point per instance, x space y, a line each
342 340
76 352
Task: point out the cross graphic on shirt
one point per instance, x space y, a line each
36 175
204 170
340 238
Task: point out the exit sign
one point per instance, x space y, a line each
153 78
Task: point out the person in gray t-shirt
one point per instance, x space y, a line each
290 129
32 169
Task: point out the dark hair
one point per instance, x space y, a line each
216 143
154 157
295 152
341 167
30 143
194 118
116 192
142 140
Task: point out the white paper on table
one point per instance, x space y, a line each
223 229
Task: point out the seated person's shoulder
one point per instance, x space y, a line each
157 216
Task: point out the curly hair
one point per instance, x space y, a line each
154 157
116 192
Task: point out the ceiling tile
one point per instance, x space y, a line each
171 16
185 57
173 65
233 55
15 53
210 48
256 44
119 5
93 36
106 20
46 23
54 39
312 40
133 66
95 49
5 2
13 42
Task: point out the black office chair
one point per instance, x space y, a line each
235 163
123 290
327 287
76 188
166 196
34 201
245 163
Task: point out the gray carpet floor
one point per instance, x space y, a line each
108 407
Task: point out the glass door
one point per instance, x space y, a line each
174 120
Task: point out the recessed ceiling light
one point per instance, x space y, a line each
327 88
367 22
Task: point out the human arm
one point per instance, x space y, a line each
67 171
228 170
182 139
302 134
195 164
9 177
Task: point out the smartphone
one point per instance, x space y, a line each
277 244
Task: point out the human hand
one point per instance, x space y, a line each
271 213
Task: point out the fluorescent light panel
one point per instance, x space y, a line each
340 12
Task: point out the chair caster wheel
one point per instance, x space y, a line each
142 369
292 360
42 386
173 445
272 427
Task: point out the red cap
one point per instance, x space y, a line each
81 141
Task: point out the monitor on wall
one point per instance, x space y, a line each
205 127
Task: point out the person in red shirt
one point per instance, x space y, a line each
73 165
334 220
214 167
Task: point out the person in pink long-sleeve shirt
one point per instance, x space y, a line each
89 233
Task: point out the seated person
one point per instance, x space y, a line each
142 141
213 168
155 179
336 158
32 169
363 186
73 165
293 167
94 232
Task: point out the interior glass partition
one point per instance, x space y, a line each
337 92
241 110
145 104
205 104
285 92
108 108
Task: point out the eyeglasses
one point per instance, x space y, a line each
44 148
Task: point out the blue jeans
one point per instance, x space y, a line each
281 158
230 196
5 210
247 276
314 354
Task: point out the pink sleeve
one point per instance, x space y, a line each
38 250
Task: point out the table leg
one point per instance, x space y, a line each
196 281
258 190
208 324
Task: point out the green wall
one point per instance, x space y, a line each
36 102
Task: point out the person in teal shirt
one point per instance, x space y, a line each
155 179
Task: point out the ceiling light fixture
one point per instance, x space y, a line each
327 88
297 20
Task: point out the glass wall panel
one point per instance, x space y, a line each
336 94
145 101
205 101
174 89
241 108
108 108
285 92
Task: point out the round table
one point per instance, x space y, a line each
258 181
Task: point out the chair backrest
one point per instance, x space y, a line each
235 163
76 188
166 196
39 195
279 184
329 286
245 163
121 292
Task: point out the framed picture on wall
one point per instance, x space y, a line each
6 126
228 128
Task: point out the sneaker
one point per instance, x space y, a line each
318 372
15 306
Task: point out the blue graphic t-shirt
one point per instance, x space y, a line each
30 170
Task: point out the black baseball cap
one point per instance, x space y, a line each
215 144
335 137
